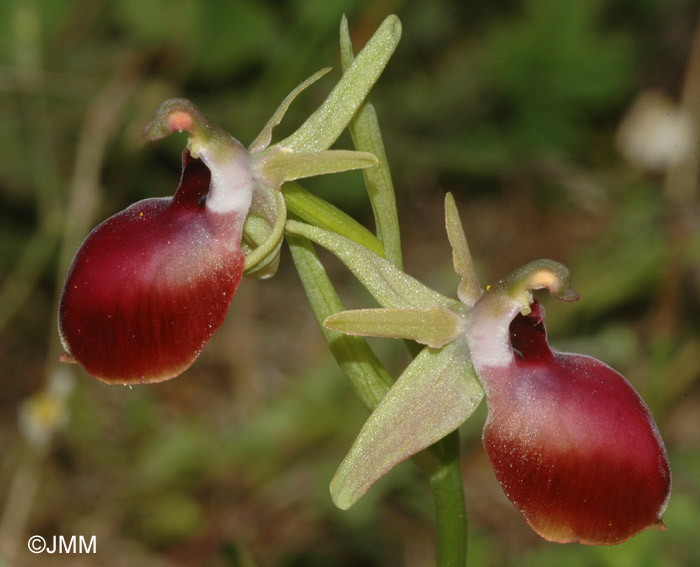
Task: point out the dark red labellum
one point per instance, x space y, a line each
150 285
572 443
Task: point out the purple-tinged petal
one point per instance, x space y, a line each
572 444
149 286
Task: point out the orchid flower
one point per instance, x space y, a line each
572 444
150 285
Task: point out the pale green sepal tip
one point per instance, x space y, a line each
436 393
346 53
435 326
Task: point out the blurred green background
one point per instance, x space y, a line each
515 106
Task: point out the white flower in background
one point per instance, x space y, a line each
656 133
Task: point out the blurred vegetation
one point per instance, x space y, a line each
512 105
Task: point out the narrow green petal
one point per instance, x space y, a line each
435 326
324 126
469 289
347 56
436 393
282 165
388 285
265 136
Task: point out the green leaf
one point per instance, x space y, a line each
435 326
390 286
436 393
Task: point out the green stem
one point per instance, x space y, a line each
448 495
356 359
370 381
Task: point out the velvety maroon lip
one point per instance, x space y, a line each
149 286
571 442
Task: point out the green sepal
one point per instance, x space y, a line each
367 137
436 393
391 287
435 326
325 125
